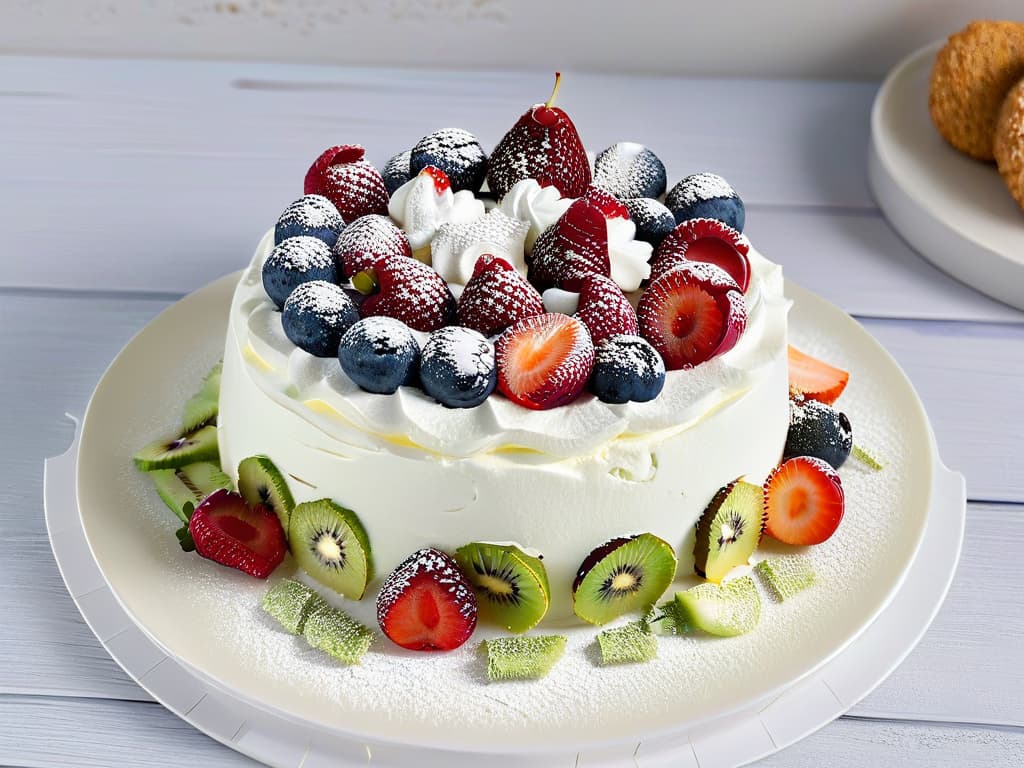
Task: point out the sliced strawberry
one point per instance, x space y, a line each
544 361
607 202
407 290
814 378
426 603
707 240
228 531
346 179
803 501
496 297
605 310
570 249
366 240
441 180
692 313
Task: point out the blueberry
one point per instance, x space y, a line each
628 170
380 354
627 368
817 429
653 220
458 367
456 152
706 196
396 171
316 315
312 215
295 261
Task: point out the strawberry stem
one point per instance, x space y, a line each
554 91
366 282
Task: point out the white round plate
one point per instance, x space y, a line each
954 210
207 617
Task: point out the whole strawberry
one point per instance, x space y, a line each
354 186
570 249
605 310
367 239
543 145
407 290
496 297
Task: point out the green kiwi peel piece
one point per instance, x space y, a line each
337 634
202 407
785 576
190 448
331 545
621 576
726 610
522 658
631 643
183 489
260 482
511 586
729 530
291 602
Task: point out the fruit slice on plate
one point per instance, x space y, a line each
815 379
729 530
785 576
623 575
426 603
331 545
522 658
725 610
202 407
183 489
291 603
803 501
544 361
191 447
337 634
226 530
260 482
511 586
632 643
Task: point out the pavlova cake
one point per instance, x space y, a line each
522 387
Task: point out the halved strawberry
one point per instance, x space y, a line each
570 249
544 361
803 501
610 205
605 310
814 378
350 182
407 290
426 603
692 313
496 297
228 531
707 240
367 239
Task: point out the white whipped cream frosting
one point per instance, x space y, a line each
628 256
457 246
538 206
317 391
419 209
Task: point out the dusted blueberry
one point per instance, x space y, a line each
316 315
706 196
628 170
312 215
627 368
456 152
817 429
380 354
396 171
295 261
458 367
653 220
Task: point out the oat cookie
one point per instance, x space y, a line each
1009 142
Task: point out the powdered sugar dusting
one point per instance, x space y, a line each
697 188
320 298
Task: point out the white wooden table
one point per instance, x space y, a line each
124 185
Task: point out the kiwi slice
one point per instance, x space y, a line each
522 658
331 545
623 575
184 488
726 610
291 603
337 634
511 586
260 482
629 644
201 408
785 576
192 447
729 530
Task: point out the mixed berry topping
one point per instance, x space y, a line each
630 170
496 297
316 314
456 152
706 196
653 220
380 354
604 309
707 240
366 240
407 290
544 361
627 368
570 249
312 215
354 186
397 171
295 261
457 367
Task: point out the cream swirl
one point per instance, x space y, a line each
538 206
457 246
421 205
628 256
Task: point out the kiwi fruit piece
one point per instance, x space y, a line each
260 482
725 610
729 530
201 408
622 575
522 658
337 634
190 448
632 643
331 545
511 586
291 602
184 488
785 576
